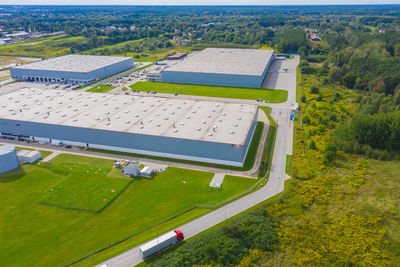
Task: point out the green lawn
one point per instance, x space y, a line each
273 96
90 192
39 235
101 88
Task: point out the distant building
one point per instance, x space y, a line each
18 35
8 158
177 56
147 172
154 76
131 169
81 69
222 66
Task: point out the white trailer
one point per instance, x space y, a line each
157 245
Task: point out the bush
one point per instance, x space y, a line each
314 90
226 245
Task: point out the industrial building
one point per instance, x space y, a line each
28 156
222 66
8 159
80 69
214 132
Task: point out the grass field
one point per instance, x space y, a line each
103 88
41 47
85 188
53 236
273 96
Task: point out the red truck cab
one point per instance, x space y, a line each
179 235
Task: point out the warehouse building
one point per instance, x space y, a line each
8 159
214 132
222 66
28 156
80 69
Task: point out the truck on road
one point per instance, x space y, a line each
157 245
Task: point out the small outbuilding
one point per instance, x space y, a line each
131 169
8 159
147 172
28 156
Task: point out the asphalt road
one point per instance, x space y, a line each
275 184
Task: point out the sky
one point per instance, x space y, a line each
195 2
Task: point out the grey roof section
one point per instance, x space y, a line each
160 116
6 149
225 61
74 63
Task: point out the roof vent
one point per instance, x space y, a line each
60 102
203 122
194 111
141 126
149 120
178 107
64 115
116 107
187 117
158 100
223 114
198 129
176 130
36 112
209 115
44 117
144 110
85 114
217 105
97 119
172 112
152 105
236 125
137 115
126 111
127 122
57 111
75 109
157 114
108 123
117 117
107 113
79 101
158 124
239 118
209 134
142 101
232 132
166 118
182 123
75 120
213 110
198 106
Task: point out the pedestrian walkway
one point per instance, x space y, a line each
217 180
51 156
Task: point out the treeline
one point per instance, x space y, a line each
226 245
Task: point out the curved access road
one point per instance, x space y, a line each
275 184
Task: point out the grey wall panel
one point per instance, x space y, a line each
159 144
8 161
211 79
68 76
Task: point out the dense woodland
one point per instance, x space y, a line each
341 208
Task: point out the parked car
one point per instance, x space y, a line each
68 146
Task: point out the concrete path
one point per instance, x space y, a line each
51 156
217 180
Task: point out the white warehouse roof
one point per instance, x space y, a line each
73 63
225 61
160 116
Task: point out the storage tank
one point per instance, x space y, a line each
8 158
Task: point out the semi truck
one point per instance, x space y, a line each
159 244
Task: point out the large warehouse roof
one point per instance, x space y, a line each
225 61
169 117
73 63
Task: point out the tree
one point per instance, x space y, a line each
335 74
349 80
330 152
303 99
312 145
